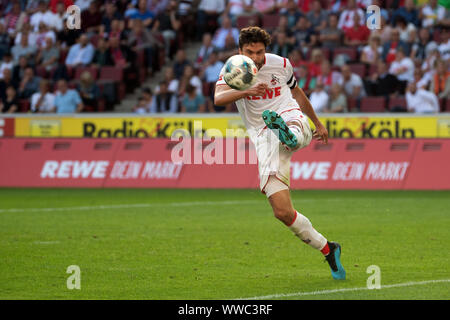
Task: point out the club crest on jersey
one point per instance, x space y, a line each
274 80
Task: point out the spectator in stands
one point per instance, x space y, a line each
141 38
91 19
444 47
144 101
54 4
403 68
119 54
43 34
111 13
281 45
180 63
338 100
304 35
283 26
432 14
5 82
205 50
225 31
67 100
164 101
292 13
23 49
372 52
88 91
102 54
390 48
43 101
315 64
317 16
167 24
172 82
295 57
32 7
265 6
80 53
4 41
7 63
421 80
358 34
319 98
422 46
346 18
352 84
408 12
192 101
25 31
141 106
117 29
210 72
381 82
83 4
420 100
28 85
331 36
236 8
208 15
440 84
157 6
305 80
327 76
60 15
42 15
143 14
18 71
15 19
189 77
10 103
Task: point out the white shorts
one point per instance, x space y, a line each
274 158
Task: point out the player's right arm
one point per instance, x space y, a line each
225 95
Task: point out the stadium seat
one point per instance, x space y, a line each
247 21
351 104
397 102
24 105
447 105
372 69
373 104
116 75
270 21
359 69
352 53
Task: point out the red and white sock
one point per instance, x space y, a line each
302 228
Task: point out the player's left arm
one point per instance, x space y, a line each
321 132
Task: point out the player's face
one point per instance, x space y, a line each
255 51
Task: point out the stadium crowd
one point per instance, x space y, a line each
340 63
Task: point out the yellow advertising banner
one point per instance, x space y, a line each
351 126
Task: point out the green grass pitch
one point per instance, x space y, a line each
219 244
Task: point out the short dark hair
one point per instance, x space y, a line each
253 35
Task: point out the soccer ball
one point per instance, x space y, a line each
240 72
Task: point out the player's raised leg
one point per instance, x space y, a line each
280 200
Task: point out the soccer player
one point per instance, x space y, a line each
276 106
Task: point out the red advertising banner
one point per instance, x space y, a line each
221 163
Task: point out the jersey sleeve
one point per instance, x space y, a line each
221 81
291 81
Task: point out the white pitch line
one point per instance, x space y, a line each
314 293
135 205
149 205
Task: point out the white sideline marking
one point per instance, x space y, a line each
131 205
173 204
314 293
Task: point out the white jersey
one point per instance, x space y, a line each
278 74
